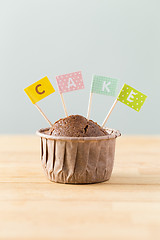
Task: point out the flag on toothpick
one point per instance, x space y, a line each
69 82
131 97
104 85
38 91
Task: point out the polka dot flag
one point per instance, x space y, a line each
131 97
70 82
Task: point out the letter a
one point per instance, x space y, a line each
105 86
71 83
131 96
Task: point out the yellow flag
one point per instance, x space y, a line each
39 90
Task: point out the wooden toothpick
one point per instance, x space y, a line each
43 114
89 105
113 106
64 106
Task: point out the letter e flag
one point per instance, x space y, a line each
39 90
131 97
70 82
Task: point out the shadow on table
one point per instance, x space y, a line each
133 179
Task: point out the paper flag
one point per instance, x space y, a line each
131 97
39 90
70 82
104 85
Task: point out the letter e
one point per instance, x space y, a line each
131 95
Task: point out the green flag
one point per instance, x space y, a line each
104 85
131 97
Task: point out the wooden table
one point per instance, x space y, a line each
125 208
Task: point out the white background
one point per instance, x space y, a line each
114 38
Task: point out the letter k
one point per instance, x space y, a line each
105 86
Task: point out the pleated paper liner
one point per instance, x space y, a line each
78 160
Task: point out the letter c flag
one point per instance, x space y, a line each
36 88
39 90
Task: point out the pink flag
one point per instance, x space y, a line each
70 82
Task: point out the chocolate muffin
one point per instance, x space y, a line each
77 126
77 151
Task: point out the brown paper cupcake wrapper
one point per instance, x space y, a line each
78 159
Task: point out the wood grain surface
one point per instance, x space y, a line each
125 208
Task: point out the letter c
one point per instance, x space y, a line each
38 90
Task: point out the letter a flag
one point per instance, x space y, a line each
70 82
39 90
104 85
131 97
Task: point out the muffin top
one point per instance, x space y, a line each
76 126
